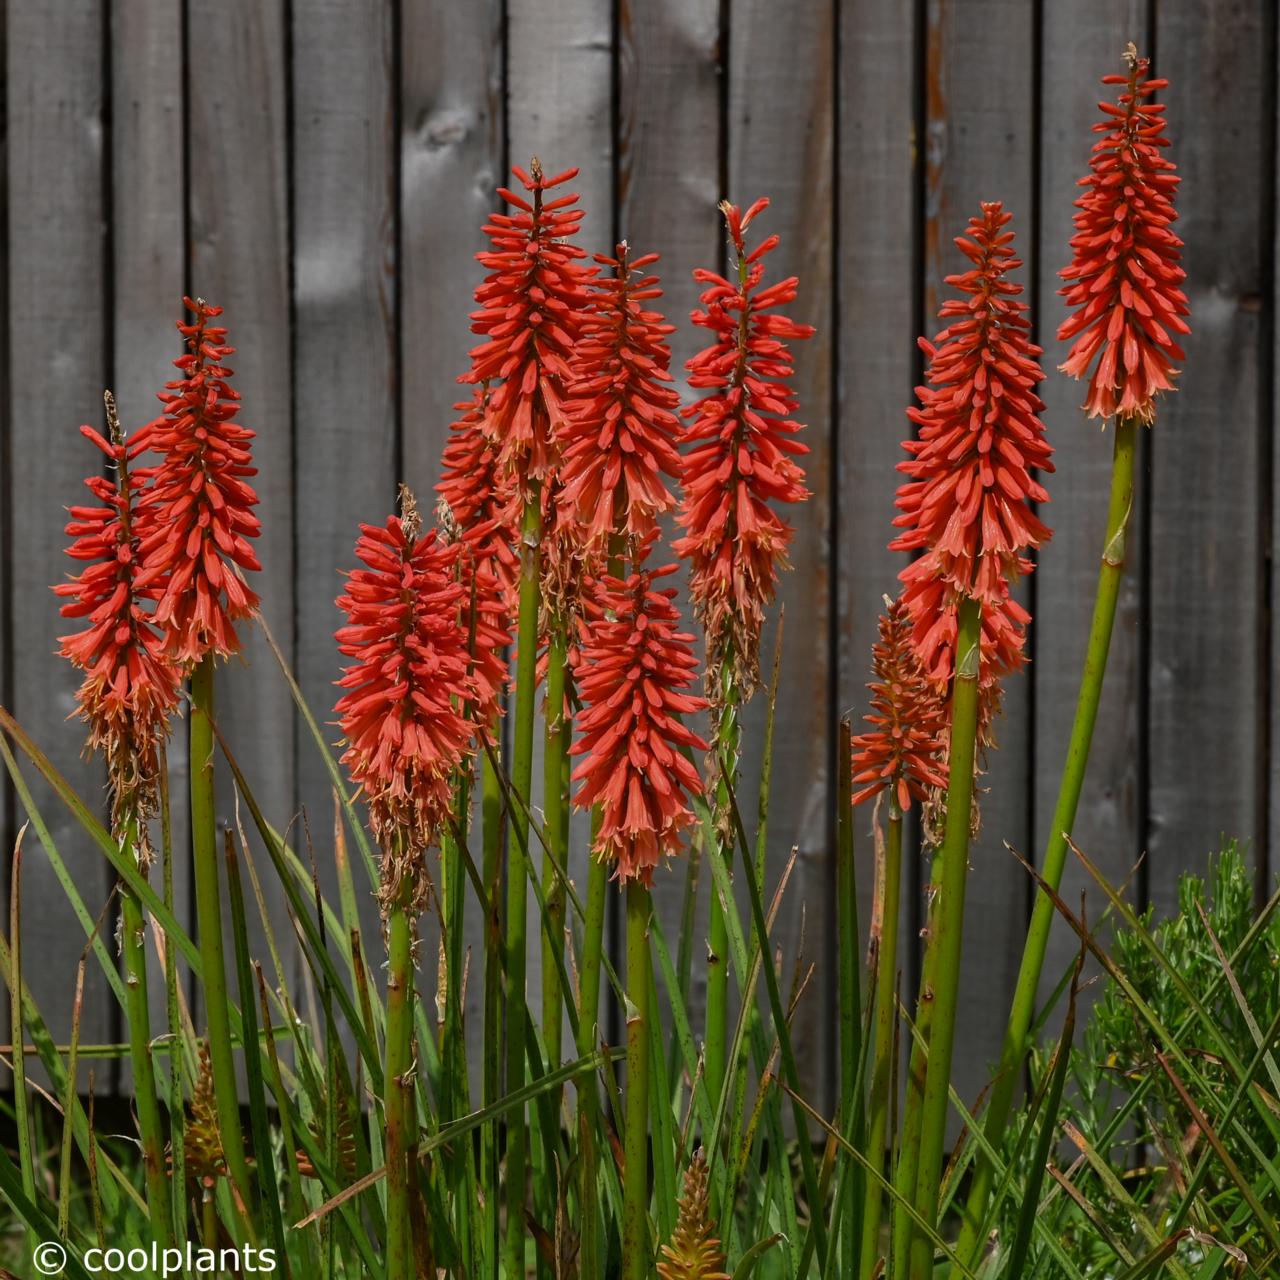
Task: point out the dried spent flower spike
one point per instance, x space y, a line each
401 710
742 459
693 1252
197 515
619 436
968 501
634 673
1124 281
130 688
906 745
529 313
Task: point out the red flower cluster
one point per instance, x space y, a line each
530 308
403 710
197 515
743 451
1124 279
635 671
907 744
130 687
618 440
967 504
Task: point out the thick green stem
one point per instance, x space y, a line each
637 1261
904 1177
492 819
886 974
1022 1010
398 1088
517 873
717 1013
947 936
150 1127
555 799
208 891
849 992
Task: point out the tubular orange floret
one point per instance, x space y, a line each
634 675
530 313
907 743
402 712
619 436
197 515
743 451
130 687
1124 281
968 502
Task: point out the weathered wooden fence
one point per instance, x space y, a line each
322 168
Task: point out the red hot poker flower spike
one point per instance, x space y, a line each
619 439
401 711
1124 281
130 687
530 308
197 516
907 743
968 500
744 449
634 674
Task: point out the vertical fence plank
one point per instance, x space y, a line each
1081 45
668 185
239 215
781 127
559 108
878 235
148 240
344 343
57 358
979 147
1206 739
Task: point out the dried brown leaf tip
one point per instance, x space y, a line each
693 1253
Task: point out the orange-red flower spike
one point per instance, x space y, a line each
1124 281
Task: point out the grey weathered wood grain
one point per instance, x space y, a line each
877 233
148 243
669 95
781 128
558 107
239 236
57 361
345 347
1206 711
1082 44
451 158
979 147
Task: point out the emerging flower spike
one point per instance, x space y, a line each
401 711
197 515
130 687
530 309
634 671
968 501
907 743
1124 279
694 1253
744 446
619 439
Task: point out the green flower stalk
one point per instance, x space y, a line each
1124 285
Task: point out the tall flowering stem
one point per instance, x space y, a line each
1124 284
403 714
899 758
529 308
130 691
637 669
740 466
967 507
194 527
